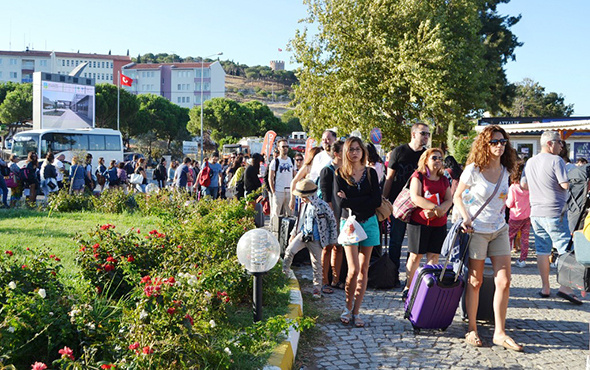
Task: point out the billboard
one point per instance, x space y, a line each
61 101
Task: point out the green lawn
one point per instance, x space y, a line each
20 229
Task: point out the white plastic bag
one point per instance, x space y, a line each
351 232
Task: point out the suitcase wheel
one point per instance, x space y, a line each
443 329
416 330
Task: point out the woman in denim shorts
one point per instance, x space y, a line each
491 159
357 191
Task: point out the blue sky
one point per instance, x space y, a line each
555 33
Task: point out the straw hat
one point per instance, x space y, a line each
305 188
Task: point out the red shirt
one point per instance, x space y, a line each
435 192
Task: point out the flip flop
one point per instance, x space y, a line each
472 339
326 289
358 322
543 295
510 344
339 285
346 316
570 297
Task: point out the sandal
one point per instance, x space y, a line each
338 285
472 339
326 289
358 322
510 344
346 316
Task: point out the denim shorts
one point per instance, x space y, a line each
371 227
551 232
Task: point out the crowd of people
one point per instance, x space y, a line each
347 178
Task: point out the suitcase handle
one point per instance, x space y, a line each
445 265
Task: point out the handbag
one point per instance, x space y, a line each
11 180
403 205
351 232
136 179
52 184
385 210
572 273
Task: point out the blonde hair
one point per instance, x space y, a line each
422 166
345 170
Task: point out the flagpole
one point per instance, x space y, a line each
118 95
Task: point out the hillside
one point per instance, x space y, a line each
274 94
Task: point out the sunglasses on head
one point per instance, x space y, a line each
498 142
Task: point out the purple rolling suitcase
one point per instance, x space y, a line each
433 301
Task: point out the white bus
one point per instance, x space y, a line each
100 142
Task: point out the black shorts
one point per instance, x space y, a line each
424 239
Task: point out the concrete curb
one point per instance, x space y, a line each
284 355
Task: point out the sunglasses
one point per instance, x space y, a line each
436 158
498 142
424 133
355 150
298 159
284 146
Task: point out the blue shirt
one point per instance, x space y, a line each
215 171
182 178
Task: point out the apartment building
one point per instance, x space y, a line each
178 82
19 66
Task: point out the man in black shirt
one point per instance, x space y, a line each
402 163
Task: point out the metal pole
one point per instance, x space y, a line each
257 296
202 65
202 139
118 96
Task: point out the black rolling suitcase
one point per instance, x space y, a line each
485 309
286 224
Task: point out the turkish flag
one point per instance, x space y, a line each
126 80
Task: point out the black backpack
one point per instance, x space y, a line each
112 177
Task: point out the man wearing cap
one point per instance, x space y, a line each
315 229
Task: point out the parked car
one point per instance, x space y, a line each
129 156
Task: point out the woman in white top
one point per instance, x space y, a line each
491 159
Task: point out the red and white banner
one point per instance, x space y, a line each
126 80
269 140
309 143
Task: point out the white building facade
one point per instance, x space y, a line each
19 66
178 82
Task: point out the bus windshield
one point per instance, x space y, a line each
23 144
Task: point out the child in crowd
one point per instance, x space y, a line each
316 229
520 211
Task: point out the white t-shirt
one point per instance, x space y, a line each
321 160
284 173
491 219
59 166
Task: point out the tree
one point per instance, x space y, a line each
531 100
224 117
291 122
264 118
5 88
17 106
106 110
385 64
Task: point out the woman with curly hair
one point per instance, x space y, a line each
357 192
490 161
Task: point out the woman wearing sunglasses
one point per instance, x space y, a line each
357 191
490 161
431 193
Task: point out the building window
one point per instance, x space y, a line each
94 76
43 63
111 64
12 62
13 75
0 61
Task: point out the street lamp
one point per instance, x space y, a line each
258 251
202 64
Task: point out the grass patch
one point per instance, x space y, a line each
23 228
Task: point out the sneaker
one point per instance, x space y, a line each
520 263
317 294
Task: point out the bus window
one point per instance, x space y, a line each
112 142
80 142
24 144
96 142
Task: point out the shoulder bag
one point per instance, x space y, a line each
384 210
403 205
136 179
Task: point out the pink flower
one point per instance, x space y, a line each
130 258
39 366
9 253
171 310
67 352
190 319
82 248
146 279
111 259
147 350
108 267
95 246
105 366
134 345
